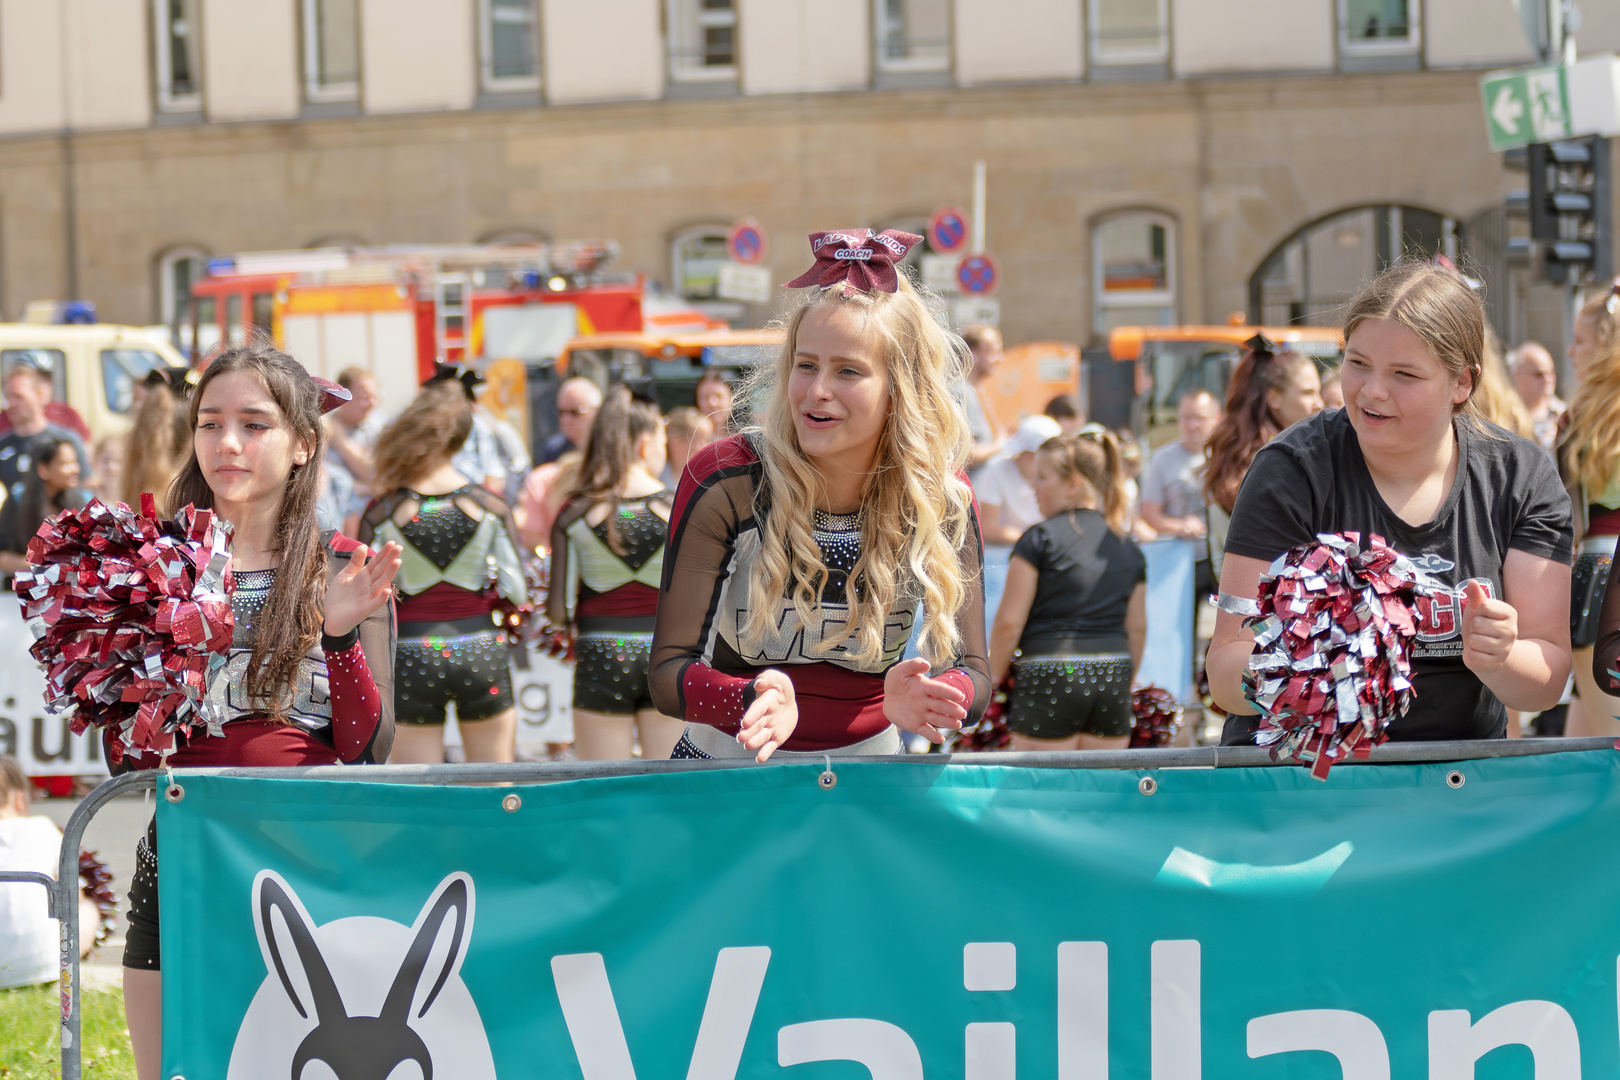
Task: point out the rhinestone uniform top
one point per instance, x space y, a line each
311 706
839 538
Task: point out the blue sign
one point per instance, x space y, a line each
947 230
978 275
746 242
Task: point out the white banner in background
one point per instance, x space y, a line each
41 744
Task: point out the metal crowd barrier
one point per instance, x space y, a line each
63 891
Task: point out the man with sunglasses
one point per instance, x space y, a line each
578 400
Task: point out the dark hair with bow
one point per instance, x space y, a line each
466 376
180 380
858 259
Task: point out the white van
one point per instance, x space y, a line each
95 367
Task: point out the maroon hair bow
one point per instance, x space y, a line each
333 395
857 259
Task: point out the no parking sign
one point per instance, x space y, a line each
978 275
746 242
947 230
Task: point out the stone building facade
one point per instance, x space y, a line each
1147 160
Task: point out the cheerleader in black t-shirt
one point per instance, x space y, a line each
1075 604
1478 509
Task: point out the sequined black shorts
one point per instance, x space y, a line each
141 931
611 673
1059 697
463 661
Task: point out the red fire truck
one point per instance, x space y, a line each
397 310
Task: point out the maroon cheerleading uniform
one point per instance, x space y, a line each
702 670
341 710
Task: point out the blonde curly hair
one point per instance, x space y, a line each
917 508
1589 448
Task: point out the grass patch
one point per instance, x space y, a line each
29 1049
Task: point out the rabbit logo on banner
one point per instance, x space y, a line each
361 997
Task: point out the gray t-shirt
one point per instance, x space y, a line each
1174 480
979 427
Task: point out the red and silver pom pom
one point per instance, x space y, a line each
132 620
95 883
1332 625
1156 717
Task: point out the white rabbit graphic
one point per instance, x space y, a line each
362 998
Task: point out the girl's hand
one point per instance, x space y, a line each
916 703
770 720
1490 629
361 588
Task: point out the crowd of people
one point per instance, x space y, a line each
922 554
860 562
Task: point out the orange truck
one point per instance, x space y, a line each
669 364
398 310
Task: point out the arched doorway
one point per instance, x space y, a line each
1309 277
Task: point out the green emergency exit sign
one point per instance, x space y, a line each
1526 106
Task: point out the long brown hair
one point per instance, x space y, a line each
1589 450
290 624
432 428
1249 422
157 445
620 425
1093 454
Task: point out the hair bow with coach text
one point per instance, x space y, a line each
857 259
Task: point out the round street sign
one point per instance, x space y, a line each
947 230
746 242
978 275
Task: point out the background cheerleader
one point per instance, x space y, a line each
459 575
1271 390
1075 604
607 556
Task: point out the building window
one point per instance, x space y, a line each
177 271
702 40
1133 268
1309 278
508 40
1378 27
912 35
331 50
698 255
1129 31
179 60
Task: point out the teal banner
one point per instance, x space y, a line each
955 921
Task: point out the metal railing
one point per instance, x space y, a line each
63 891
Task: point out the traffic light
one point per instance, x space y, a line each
1572 209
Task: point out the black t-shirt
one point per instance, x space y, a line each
1312 478
1087 574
